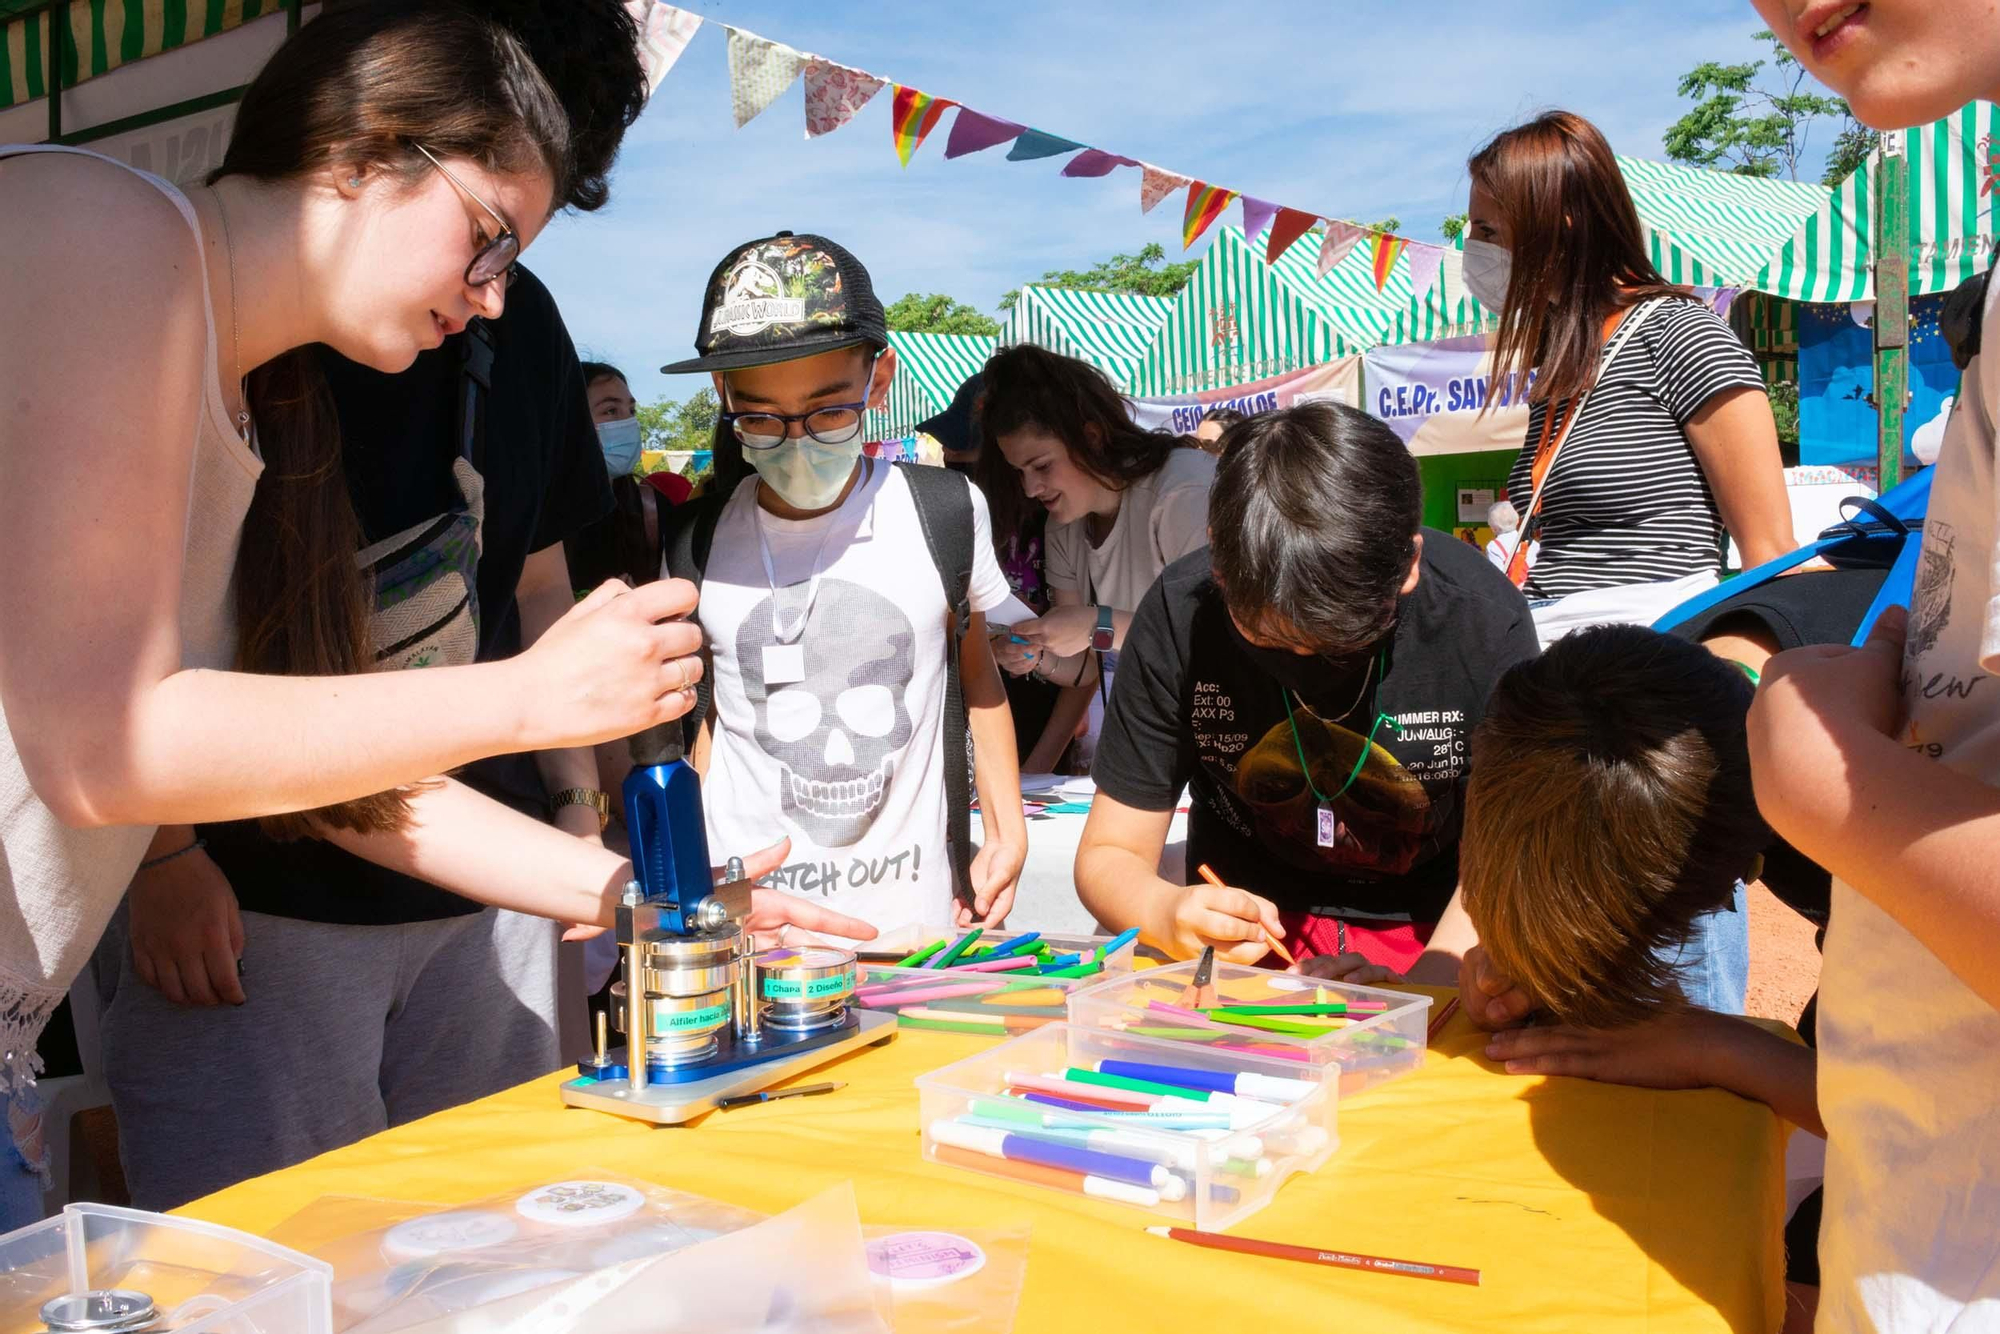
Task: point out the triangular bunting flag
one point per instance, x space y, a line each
1205 204
1038 144
833 94
1383 250
1425 261
1155 184
1340 238
760 70
975 131
1096 162
1289 226
1257 216
664 32
914 116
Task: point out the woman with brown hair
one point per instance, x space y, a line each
1122 504
1649 432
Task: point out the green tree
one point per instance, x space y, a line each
1144 274
666 424
1851 148
1453 227
939 314
1749 122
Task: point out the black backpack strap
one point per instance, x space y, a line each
944 511
687 532
475 382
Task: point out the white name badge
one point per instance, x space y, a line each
784 664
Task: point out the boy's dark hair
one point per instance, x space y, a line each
1312 522
1223 417
1609 806
593 371
588 50
1029 387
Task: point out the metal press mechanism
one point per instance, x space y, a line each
709 1015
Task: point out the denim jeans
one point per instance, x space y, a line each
20 1184
1715 963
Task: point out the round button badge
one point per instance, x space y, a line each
924 1259
580 1203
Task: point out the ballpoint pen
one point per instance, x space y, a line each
771 1095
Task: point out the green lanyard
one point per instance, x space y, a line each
1360 760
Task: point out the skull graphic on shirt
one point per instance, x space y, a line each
835 734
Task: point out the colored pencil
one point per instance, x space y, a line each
1081 970
1064 960
1017 945
983 1005
1338 1259
950 956
1035 1174
916 960
1277 946
884 997
1443 1017
941 1026
1008 1023
1070 1088
1117 943
998 965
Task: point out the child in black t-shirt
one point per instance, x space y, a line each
1311 681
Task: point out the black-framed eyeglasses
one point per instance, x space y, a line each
496 258
834 424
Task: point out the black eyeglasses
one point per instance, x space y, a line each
835 424
496 258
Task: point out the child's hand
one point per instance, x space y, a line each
1348 967
1232 920
1664 1053
1491 1000
1835 685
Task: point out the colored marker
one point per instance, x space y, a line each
1337 1010
1017 944
1117 943
1063 961
1072 1088
1288 1027
993 965
916 960
1171 1120
1244 1084
1089 1162
950 956
1146 1148
1079 1183
1081 970
891 996
1338 1259
1009 1023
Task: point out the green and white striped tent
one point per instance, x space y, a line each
1713 228
1236 321
1368 316
929 370
1111 331
94 37
1951 164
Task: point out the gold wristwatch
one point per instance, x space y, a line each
583 796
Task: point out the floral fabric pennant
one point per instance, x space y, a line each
834 93
760 70
975 132
664 32
1156 183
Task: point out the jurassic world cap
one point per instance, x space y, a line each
781 299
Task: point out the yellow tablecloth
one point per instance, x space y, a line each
1588 1207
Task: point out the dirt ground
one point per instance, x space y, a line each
1784 965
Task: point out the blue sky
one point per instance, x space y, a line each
1360 109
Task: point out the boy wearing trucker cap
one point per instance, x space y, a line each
842 606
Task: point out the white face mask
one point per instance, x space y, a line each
1488 271
806 474
620 442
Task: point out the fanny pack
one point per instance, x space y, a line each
426 578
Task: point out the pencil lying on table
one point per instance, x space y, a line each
1278 1250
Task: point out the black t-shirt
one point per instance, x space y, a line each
544 479
1190 708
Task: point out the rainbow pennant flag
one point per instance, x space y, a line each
1385 249
913 117
1204 205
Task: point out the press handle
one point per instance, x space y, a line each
661 744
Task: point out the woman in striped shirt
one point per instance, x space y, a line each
1649 431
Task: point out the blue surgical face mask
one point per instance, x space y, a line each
805 473
620 442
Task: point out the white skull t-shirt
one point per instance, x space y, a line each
828 639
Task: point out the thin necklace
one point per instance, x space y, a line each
235 329
1366 677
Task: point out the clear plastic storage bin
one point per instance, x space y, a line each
1003 1003
1201 1160
1367 1050
200 1278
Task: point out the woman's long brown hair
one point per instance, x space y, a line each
361 84
1579 250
